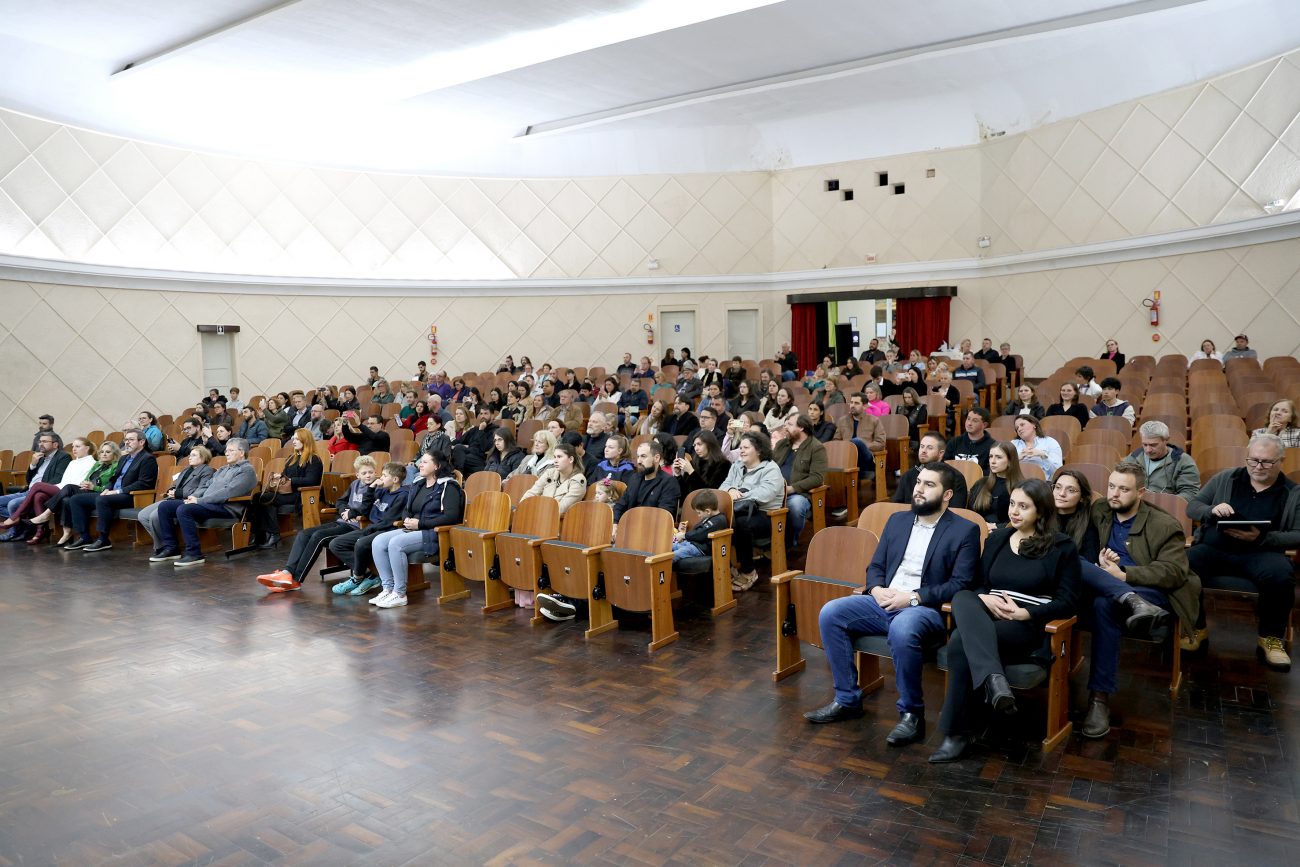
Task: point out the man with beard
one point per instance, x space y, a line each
1140 573
930 451
924 557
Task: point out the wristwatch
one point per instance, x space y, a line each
916 599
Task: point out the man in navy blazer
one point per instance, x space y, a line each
924 557
137 470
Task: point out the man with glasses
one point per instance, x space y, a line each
137 470
1249 517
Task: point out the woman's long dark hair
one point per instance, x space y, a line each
1041 540
712 451
1076 525
981 499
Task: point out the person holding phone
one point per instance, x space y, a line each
1250 517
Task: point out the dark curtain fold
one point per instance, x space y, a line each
922 324
803 332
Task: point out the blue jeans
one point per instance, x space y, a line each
866 461
684 549
800 508
909 631
1105 619
172 513
8 501
389 550
787 375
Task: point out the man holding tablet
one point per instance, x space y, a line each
1249 517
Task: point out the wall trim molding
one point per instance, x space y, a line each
1258 230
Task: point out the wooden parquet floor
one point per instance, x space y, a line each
149 716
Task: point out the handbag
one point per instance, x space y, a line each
276 485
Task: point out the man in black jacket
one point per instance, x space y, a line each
368 438
191 436
44 425
137 470
651 486
48 465
930 451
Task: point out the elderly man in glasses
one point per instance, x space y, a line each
1249 517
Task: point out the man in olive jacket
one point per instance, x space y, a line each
802 459
1140 573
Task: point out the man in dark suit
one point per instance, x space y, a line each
48 464
925 556
137 470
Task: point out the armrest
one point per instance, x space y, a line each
142 499
537 543
946 608
785 577
247 498
1063 625
722 534
820 489
777 513
595 549
656 559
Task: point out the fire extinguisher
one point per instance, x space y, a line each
1154 305
649 329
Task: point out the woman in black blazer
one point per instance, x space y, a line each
1030 577
303 470
1069 405
1112 352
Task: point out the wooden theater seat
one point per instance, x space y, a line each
469 550
571 564
638 569
519 552
718 563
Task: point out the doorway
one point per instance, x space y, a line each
677 329
218 360
742 333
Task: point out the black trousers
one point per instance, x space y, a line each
980 647
354 548
754 525
307 546
1270 571
265 517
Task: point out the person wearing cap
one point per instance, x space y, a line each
1241 349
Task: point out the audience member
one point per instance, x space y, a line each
1110 405
1258 493
696 542
1007 359
1168 469
234 403
875 402
789 363
801 458
368 438
149 429
931 450
563 481
991 495
974 443
865 432
1140 574
353 547
701 464
1036 448
971 372
505 454
912 409
47 465
275 417
1029 577
192 481
302 469
924 558
1207 350
436 500
1069 405
1026 403
1086 382
1240 349
540 458
191 437
823 428
1283 423
614 463
236 479
1113 354
44 425
987 352
756 486
44 495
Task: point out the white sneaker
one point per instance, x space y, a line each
392 601
744 581
383 594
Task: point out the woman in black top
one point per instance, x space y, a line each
914 411
744 401
1030 577
1072 495
823 428
703 466
1026 403
505 454
991 495
1069 405
1112 352
303 470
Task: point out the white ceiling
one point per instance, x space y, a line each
608 86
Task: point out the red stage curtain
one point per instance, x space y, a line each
922 324
803 333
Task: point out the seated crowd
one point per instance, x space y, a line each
647 436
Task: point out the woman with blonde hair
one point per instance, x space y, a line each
44 497
101 475
563 481
540 458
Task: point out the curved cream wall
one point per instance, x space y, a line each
1210 153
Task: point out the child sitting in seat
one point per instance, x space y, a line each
605 491
696 542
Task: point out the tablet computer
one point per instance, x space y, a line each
1244 525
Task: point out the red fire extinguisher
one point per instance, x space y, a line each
1154 304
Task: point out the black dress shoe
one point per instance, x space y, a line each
950 750
910 729
272 541
833 712
1145 621
1097 723
1001 699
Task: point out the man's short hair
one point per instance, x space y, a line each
373 417
980 411
1271 439
705 499
804 424
394 469
859 395
46 417
571 437
363 461
1153 428
234 389
709 410
877 371
1112 382
563 427
1085 372
947 475
48 435
1134 469
938 438
239 444
656 448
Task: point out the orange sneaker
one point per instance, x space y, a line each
278 578
284 588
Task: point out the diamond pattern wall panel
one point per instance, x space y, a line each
1209 153
92 357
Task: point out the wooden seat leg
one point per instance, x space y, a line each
724 599
662 629
496 595
415 579
600 611
1059 726
789 656
869 677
